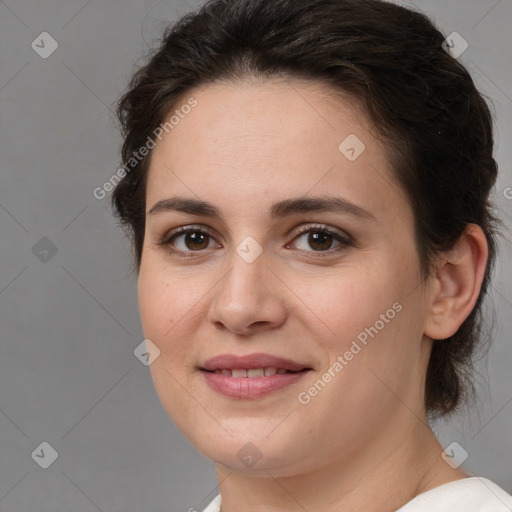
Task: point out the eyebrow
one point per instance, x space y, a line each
281 209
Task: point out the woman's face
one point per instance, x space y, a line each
334 289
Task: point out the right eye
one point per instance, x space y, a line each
190 239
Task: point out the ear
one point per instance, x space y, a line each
457 284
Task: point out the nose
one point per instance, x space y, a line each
250 297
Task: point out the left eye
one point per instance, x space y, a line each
320 239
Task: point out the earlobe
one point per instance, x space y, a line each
458 282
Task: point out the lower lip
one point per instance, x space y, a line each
250 387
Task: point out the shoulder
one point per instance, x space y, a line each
472 494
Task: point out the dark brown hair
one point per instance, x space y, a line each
436 126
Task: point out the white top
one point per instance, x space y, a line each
471 494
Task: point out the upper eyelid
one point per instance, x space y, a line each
320 227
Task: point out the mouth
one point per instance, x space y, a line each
252 373
252 376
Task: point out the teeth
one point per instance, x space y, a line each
252 372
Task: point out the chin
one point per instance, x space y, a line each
250 449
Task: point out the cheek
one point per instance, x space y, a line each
368 316
344 303
151 296
173 307
167 313
167 307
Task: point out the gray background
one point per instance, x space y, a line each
69 325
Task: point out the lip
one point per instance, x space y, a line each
251 388
259 360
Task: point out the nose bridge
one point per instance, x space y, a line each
247 273
244 296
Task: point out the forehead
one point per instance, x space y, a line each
247 141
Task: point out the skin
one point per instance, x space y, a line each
363 442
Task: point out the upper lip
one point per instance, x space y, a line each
233 362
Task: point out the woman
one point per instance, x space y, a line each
306 187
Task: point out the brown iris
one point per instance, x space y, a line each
319 241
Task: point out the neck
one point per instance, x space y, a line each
391 470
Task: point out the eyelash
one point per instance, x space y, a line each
166 239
